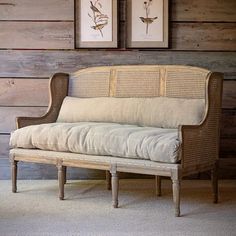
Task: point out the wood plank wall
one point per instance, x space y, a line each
37 39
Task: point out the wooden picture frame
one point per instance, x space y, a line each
96 22
147 23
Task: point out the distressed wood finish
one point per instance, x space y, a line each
228 136
58 82
214 178
65 174
24 92
37 10
194 35
228 145
158 185
108 180
115 186
61 181
4 146
227 167
37 35
14 175
210 20
39 171
229 94
202 10
176 196
203 36
9 114
194 156
33 63
228 133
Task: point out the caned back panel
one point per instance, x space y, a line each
90 82
139 81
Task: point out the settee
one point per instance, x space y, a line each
159 120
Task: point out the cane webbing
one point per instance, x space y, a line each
139 81
133 82
90 83
185 83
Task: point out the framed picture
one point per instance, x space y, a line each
96 24
147 23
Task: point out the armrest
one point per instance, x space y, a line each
200 143
58 90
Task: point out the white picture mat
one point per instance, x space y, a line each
87 33
156 29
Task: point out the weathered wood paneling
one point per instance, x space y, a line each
227 167
30 63
228 118
203 10
4 146
37 10
228 134
37 35
42 171
229 94
196 36
35 92
8 115
24 92
28 170
203 36
228 145
228 126
196 26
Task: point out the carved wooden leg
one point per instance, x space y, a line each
214 180
61 181
158 185
14 175
64 174
115 188
108 180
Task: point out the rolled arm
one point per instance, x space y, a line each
200 143
58 89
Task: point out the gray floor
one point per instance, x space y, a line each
35 209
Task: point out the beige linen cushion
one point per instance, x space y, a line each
155 112
92 138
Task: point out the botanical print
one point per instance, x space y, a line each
147 19
96 20
99 19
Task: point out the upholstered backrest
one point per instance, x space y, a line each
139 81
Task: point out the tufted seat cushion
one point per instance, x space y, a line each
108 139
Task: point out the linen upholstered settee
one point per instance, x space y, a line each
147 119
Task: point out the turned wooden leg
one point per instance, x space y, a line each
176 179
14 175
115 187
176 196
158 185
61 181
108 180
64 173
214 180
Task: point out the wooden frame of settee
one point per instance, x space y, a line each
199 152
